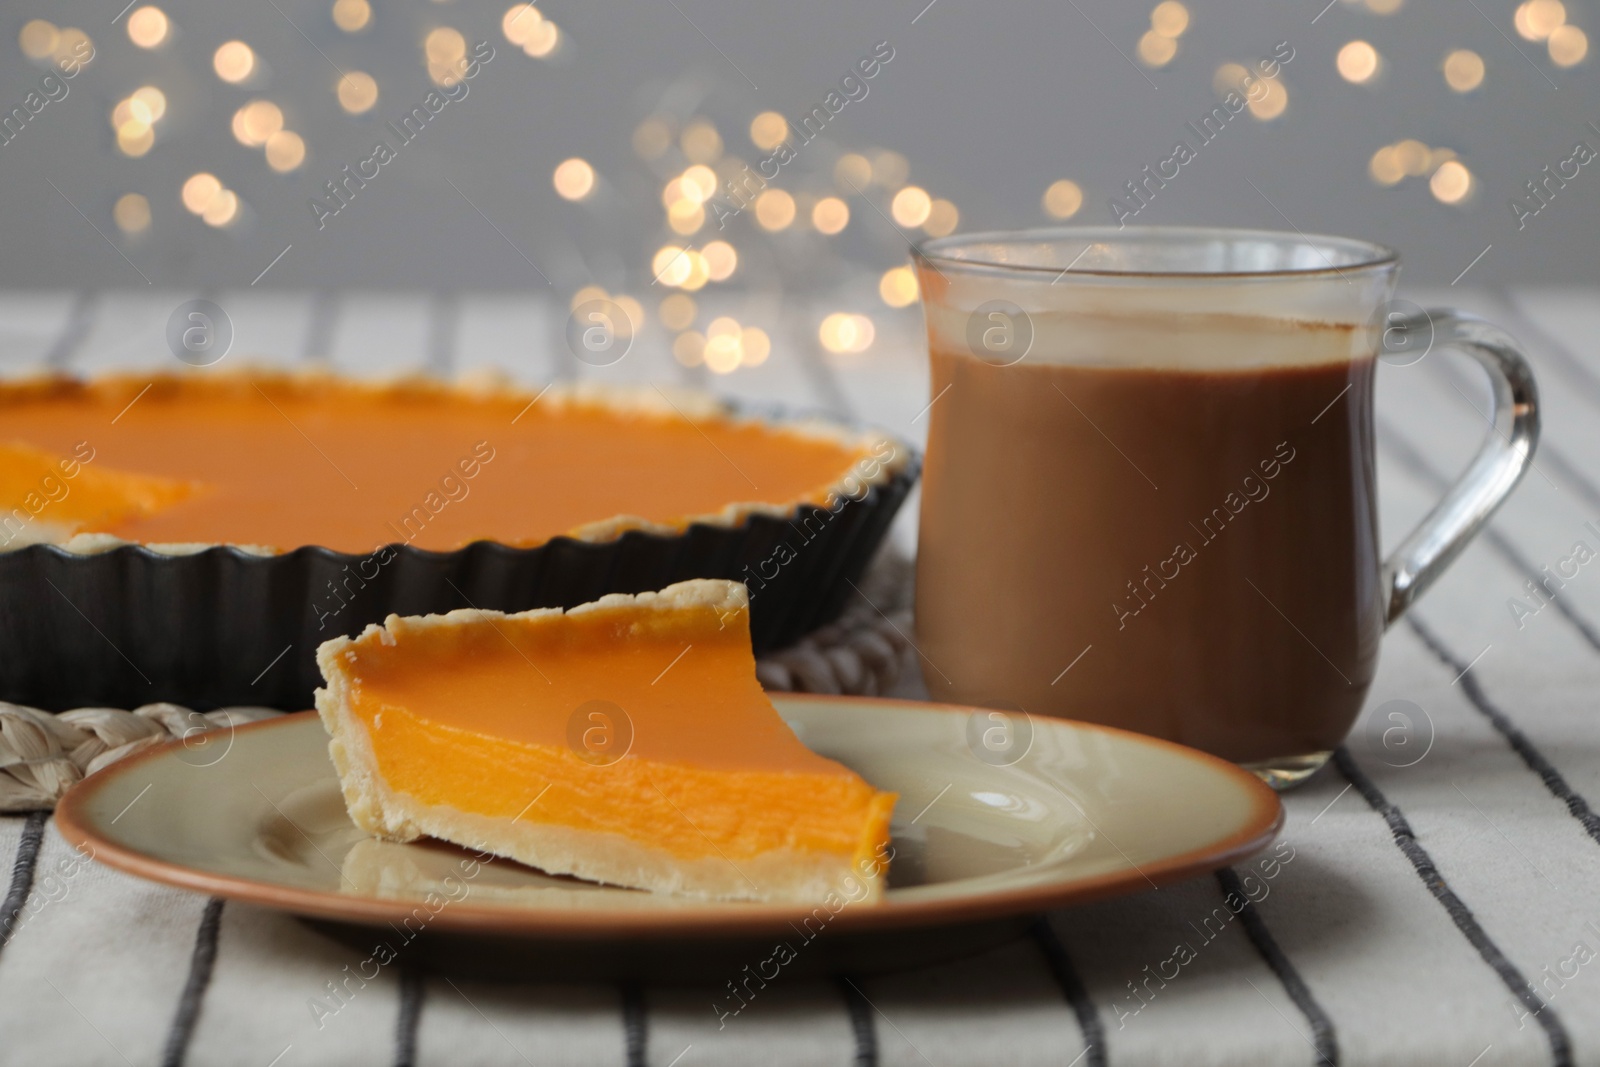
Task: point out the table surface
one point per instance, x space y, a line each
1438 910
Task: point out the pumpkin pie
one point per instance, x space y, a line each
626 741
277 461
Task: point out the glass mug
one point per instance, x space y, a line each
1149 494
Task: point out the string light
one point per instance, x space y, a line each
38 39
942 219
1170 18
852 172
573 179
756 345
689 348
830 215
257 121
721 260
846 333
890 169
1357 62
222 210
199 191
774 209
1568 45
1538 19
1451 183
233 62
768 130
357 92
351 16
286 150
1063 199
911 206
898 287
147 27
131 213
678 311
1156 50
1463 70
701 142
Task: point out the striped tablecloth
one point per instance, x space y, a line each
1433 910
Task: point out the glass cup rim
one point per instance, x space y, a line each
1369 255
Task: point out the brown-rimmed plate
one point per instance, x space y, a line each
1001 817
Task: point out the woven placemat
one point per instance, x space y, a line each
43 754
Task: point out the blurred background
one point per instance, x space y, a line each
571 151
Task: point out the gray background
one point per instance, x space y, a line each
988 102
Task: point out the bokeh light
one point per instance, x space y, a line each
1568 45
1271 103
573 179
1063 199
233 62
689 348
1170 18
677 311
351 16
1463 70
911 205
1385 166
841 332
148 27
830 215
1357 62
890 169
775 210
768 130
199 191
852 172
286 150
942 219
721 260
148 104
1156 50
358 92
898 287
1451 183
756 344
38 39
131 213
223 209
652 138
257 121
1538 19
700 141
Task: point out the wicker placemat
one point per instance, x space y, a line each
43 754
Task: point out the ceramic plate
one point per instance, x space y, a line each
1000 817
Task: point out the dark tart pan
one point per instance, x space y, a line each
222 626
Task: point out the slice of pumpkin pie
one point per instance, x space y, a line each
625 741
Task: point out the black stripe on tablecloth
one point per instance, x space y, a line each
22 874
413 989
80 317
1323 1038
862 1025
201 963
635 1026
1414 461
1553 779
1406 840
1066 976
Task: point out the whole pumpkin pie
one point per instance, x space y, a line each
626 741
274 462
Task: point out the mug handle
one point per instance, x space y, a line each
1506 454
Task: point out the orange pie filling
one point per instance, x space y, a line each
625 741
276 461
